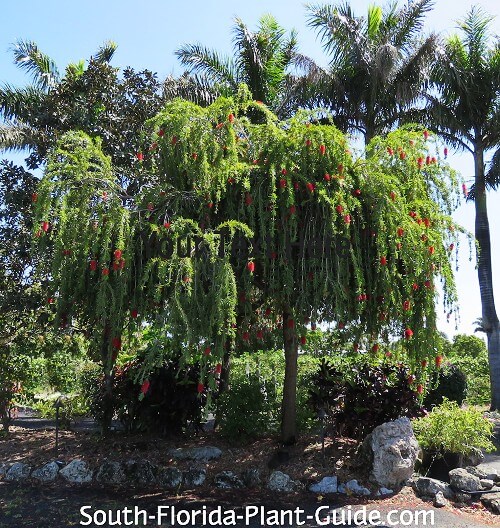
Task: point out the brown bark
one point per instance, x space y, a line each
289 404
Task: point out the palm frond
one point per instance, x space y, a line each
17 137
194 88
411 22
105 52
19 102
42 68
475 27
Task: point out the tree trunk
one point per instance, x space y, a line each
289 404
489 315
107 397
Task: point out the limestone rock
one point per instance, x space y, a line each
395 450
141 472
227 480
77 472
384 491
486 484
439 500
251 477
353 487
195 453
326 485
18 472
428 487
47 473
194 478
110 473
462 480
279 481
170 478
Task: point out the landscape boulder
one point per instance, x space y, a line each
325 485
461 480
194 478
195 453
18 472
227 480
429 487
170 478
47 473
141 472
251 477
492 501
110 472
279 481
76 472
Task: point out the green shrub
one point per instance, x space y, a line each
450 383
448 428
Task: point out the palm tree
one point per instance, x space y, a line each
466 112
261 60
378 65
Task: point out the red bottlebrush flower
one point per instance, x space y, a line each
427 284
406 305
426 135
427 222
251 267
194 155
438 360
292 209
402 155
50 300
414 286
341 325
230 118
219 126
433 160
308 142
393 196
375 347
411 379
201 388
268 312
174 140
260 334
464 189
145 386
339 209
340 168
245 336
105 271
327 177
116 342
420 162
140 156
390 151
424 363
424 238
451 247
104 195
445 152
296 186
218 368
34 197
412 143
313 326
399 246
93 265
400 232
134 314
290 323
186 279
45 226
310 186
388 354
431 250
150 206
207 351
428 160
408 333
303 340
347 219
282 183
284 172
248 199
118 254
153 145
274 255
210 205
357 192
420 388
322 150
166 225
161 132
383 261
413 214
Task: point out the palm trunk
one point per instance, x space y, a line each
489 315
289 404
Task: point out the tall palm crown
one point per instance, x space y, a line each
378 65
260 60
466 112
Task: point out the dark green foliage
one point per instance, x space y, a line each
356 402
450 383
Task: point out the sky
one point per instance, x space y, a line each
147 33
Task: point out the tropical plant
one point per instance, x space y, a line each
466 112
379 64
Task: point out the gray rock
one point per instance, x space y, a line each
492 501
326 485
141 472
279 481
251 478
484 471
194 478
395 451
486 484
384 491
439 500
428 487
462 480
195 453
473 459
463 498
110 472
47 473
353 487
77 472
170 478
18 472
227 480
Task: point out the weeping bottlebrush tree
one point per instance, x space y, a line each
245 230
